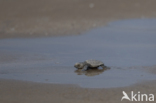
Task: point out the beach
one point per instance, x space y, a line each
18 91
40 41
40 18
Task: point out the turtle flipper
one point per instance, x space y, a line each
104 67
85 68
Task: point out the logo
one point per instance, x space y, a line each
137 97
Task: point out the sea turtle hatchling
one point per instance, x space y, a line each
90 64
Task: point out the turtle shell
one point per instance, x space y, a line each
94 63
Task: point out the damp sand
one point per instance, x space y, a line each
54 18
18 91
41 69
40 18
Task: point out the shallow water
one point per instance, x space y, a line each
120 45
116 77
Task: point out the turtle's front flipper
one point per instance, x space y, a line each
104 67
85 68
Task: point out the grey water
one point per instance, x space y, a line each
120 45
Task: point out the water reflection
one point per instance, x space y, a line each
91 72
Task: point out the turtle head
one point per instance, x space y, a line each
79 65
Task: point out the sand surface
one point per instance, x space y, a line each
28 92
31 18
39 18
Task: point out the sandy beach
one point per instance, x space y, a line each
51 18
40 18
18 91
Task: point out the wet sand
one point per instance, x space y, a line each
125 46
26 92
22 18
38 18
47 63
